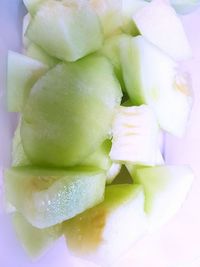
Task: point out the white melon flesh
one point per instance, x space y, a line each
35 241
35 52
23 72
105 232
166 188
159 23
66 30
153 78
33 5
46 197
135 136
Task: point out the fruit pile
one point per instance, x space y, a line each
97 85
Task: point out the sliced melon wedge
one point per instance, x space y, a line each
153 78
166 188
22 73
46 197
159 23
67 30
104 232
35 241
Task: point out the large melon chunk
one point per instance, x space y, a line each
152 77
165 190
67 30
104 232
23 72
35 241
70 111
159 23
46 197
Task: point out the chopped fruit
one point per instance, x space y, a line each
23 72
66 30
33 5
106 231
26 22
46 197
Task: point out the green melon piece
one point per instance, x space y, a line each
66 30
104 232
35 241
151 77
22 73
70 111
166 188
46 197
19 158
111 50
26 21
35 52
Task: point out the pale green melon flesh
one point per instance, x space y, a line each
35 241
95 234
65 30
22 73
165 190
70 111
46 197
33 5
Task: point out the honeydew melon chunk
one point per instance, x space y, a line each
151 77
33 5
22 73
104 232
26 22
135 136
111 50
166 188
70 112
67 30
19 158
159 23
35 241
46 197
35 52
185 6
110 15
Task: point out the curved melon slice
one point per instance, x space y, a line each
135 136
70 111
153 78
22 73
166 188
104 232
35 241
185 6
46 197
35 52
159 23
66 30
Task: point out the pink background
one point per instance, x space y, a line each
178 243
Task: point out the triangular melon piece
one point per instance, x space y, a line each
159 23
35 241
22 73
106 231
166 188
